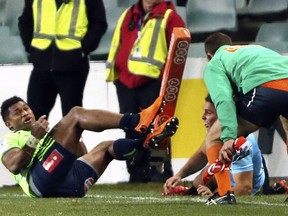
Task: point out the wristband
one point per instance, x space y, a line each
32 142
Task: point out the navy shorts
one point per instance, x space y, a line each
262 105
60 174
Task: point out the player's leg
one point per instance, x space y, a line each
213 147
91 166
121 149
68 131
254 110
86 170
138 165
100 157
284 122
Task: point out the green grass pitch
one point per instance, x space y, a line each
135 200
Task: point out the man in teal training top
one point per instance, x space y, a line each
258 77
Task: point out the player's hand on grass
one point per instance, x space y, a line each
171 183
204 191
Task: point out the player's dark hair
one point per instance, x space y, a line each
7 104
208 99
216 40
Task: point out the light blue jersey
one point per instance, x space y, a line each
252 162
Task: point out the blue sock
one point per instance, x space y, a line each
129 121
126 148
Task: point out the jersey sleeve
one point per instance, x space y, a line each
14 139
221 92
243 165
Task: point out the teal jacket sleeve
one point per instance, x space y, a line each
221 92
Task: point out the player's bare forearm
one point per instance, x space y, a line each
18 159
195 163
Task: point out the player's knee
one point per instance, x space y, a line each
75 111
245 190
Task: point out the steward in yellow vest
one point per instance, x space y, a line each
59 35
56 32
149 51
135 64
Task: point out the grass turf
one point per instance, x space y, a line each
135 200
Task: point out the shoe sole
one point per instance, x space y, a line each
169 130
228 199
220 202
146 126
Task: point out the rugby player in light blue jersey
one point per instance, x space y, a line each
247 174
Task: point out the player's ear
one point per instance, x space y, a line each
7 123
209 56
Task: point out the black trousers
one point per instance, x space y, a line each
131 100
44 86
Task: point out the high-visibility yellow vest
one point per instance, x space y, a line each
67 25
149 51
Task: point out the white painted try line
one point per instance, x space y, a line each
178 199
166 199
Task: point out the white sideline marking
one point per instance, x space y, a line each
154 199
176 199
167 199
